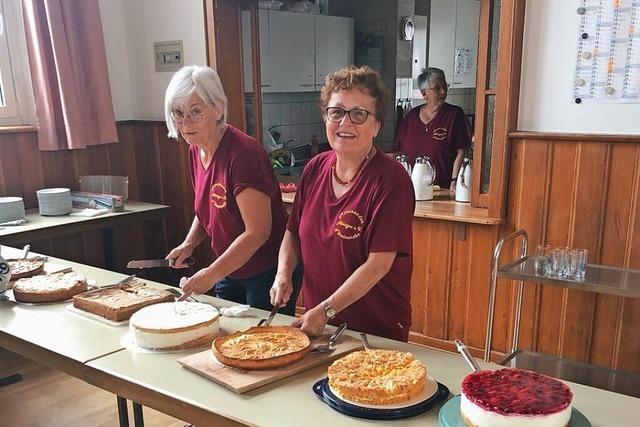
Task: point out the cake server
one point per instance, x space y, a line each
119 284
152 263
467 356
329 347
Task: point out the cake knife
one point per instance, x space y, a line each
152 263
467 356
274 310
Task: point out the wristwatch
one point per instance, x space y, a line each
329 311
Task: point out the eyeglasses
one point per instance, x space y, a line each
195 114
357 116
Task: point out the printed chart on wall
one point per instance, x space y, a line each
608 61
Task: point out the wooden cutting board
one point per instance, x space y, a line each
240 381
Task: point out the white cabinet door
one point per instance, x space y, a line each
291 52
466 45
442 35
334 45
263 23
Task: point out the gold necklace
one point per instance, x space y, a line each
355 175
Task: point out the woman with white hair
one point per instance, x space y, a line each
237 200
436 129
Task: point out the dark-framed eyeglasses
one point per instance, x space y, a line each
195 115
357 115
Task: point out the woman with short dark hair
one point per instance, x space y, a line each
351 222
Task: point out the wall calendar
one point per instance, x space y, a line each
608 58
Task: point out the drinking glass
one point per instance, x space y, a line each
582 263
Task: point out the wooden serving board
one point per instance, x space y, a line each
240 381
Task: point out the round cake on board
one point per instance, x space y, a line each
174 325
377 377
262 347
49 287
514 398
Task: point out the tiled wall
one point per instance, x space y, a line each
297 115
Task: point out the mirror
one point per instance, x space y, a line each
297 51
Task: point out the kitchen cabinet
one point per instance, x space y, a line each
297 50
454 48
333 45
265 75
291 52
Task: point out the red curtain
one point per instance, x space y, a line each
69 73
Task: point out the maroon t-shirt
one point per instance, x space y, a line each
238 163
440 139
337 234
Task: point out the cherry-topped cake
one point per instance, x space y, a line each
512 398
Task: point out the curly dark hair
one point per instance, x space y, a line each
365 79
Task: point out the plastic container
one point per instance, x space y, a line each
106 184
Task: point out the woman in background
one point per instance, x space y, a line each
436 129
351 222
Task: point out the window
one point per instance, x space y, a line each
16 96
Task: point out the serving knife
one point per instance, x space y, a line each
119 284
274 310
152 263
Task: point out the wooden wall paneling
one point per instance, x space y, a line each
628 349
12 182
147 163
482 240
615 229
586 223
419 276
459 286
122 158
94 160
553 299
27 155
438 278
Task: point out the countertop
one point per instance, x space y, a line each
442 207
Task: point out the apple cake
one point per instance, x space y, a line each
21 268
120 303
49 287
174 325
262 347
377 377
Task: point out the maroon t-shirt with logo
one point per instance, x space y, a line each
337 234
238 163
440 139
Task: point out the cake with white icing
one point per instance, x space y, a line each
514 398
174 325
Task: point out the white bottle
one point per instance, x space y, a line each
463 184
423 176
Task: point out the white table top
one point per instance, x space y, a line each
288 402
291 400
38 224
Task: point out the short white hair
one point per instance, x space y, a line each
204 81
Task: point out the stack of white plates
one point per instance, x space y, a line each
54 201
11 209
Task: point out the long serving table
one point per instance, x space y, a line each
40 227
92 352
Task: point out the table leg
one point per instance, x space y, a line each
110 248
123 412
138 417
10 379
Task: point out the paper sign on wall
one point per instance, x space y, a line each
608 57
